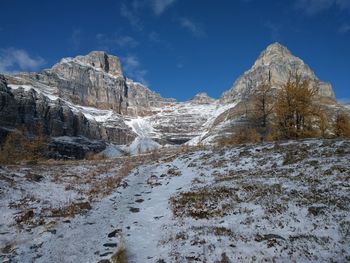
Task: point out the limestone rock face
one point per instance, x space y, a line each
202 98
95 80
274 64
25 107
100 60
141 100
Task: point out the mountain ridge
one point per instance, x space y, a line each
90 96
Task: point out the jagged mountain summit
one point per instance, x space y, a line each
86 103
275 64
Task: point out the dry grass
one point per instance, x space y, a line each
19 146
241 135
120 256
204 203
70 210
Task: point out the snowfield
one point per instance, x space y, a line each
287 202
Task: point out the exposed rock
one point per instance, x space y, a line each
28 108
141 100
110 245
94 80
89 96
274 64
202 98
76 147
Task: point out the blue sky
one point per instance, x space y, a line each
179 47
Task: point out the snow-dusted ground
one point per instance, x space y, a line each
285 202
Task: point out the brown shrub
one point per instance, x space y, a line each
120 256
240 136
71 210
19 146
91 156
342 125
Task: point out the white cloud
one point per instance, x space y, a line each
132 10
159 6
312 7
192 27
130 13
76 38
133 69
13 60
274 30
110 42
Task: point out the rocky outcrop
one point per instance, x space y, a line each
274 64
202 98
95 80
74 147
142 101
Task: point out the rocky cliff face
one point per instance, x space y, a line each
142 101
275 63
26 107
95 80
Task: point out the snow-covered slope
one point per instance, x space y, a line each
288 202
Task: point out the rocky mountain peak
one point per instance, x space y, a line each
99 60
277 48
275 53
275 63
202 98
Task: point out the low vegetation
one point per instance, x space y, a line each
204 203
20 146
120 256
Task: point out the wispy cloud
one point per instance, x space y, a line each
345 28
133 69
274 30
155 39
313 7
13 60
159 6
111 42
75 38
195 29
130 13
133 10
